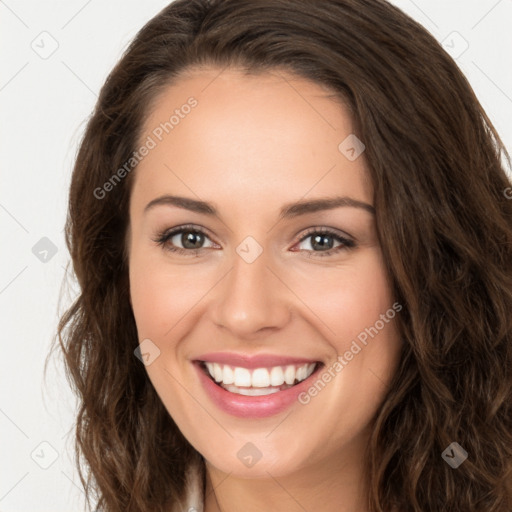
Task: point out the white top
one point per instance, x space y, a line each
194 499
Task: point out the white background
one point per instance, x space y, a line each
45 103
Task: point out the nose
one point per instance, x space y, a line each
252 299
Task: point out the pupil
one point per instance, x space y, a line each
188 239
321 239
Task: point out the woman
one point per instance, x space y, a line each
291 229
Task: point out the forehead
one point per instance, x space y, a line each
226 133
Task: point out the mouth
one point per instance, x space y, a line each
258 381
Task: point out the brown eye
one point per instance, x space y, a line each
322 242
190 238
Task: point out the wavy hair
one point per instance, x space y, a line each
443 219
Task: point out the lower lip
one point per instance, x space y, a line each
252 406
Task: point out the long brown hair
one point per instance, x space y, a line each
444 223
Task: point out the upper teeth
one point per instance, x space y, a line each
259 377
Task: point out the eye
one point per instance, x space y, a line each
323 239
190 237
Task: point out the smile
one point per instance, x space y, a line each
254 387
258 381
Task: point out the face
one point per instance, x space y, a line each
235 280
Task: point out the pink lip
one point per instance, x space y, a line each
252 406
251 362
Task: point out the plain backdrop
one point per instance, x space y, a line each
55 58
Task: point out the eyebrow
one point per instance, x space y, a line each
289 210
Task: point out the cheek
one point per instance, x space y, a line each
148 301
348 298
161 296
162 293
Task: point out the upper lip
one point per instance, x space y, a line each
253 361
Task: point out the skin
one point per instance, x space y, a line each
251 145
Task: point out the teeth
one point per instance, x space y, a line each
228 376
217 372
259 377
242 377
250 391
301 373
289 374
276 376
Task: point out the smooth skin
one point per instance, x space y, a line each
251 145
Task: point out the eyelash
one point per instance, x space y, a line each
163 238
